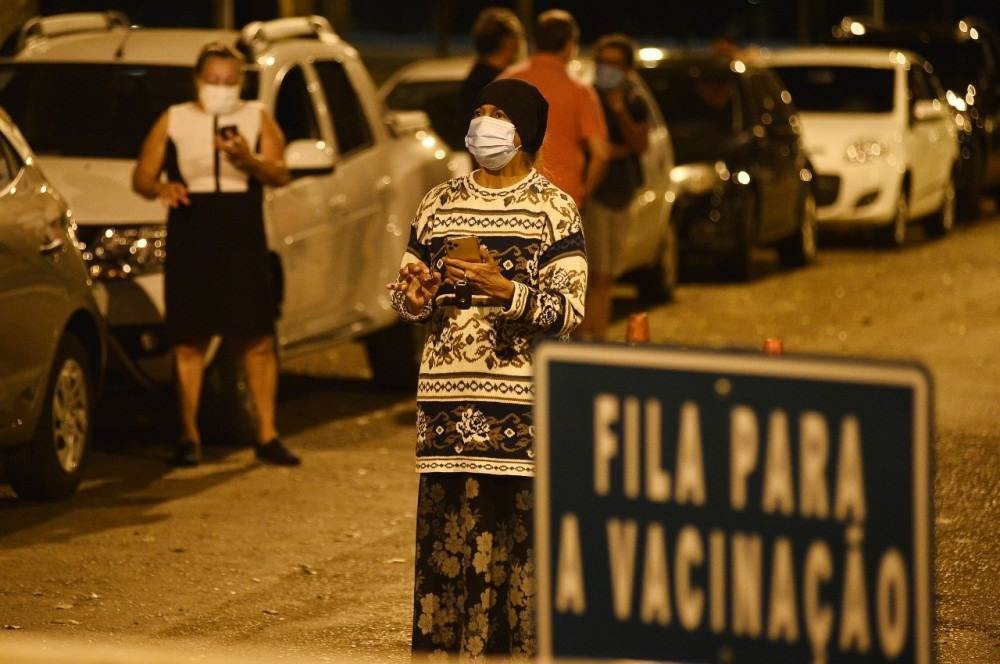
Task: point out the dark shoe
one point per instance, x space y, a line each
275 452
187 454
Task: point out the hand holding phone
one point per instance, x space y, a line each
228 132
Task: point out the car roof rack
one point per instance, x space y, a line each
57 25
259 34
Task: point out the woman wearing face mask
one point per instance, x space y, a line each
474 587
217 153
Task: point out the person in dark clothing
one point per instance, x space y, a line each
607 219
498 37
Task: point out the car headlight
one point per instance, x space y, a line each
864 151
697 178
122 252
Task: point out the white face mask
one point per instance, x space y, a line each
219 99
491 142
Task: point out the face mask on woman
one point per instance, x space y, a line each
491 142
219 99
608 77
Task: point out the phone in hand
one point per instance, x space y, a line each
228 132
464 247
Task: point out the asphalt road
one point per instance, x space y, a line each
235 558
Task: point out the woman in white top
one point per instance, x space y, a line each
217 152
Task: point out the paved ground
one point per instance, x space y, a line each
232 557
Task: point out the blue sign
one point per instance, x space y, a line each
732 507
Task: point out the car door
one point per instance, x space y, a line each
788 183
31 299
363 186
304 215
767 156
922 138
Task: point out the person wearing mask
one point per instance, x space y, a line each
217 272
474 577
498 37
575 152
606 223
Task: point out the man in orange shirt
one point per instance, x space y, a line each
575 152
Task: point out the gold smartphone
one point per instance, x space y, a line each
465 247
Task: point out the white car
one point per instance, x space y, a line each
86 88
650 252
878 131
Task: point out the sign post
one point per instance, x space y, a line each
704 506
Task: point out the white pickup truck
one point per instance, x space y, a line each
85 88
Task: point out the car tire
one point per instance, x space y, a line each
893 234
968 201
226 413
49 466
943 221
394 355
659 283
799 249
739 263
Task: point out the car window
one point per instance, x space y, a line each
7 169
765 101
440 100
839 89
783 110
349 122
918 85
113 105
294 110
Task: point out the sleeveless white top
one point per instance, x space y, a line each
192 132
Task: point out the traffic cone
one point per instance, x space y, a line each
638 329
773 346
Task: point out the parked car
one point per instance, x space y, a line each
878 131
52 349
650 255
743 179
86 88
966 57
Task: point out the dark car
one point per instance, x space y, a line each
741 175
966 58
52 348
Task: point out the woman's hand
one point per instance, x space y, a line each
485 276
237 151
172 194
418 284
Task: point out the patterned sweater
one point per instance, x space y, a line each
475 393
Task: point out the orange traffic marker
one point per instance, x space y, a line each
773 347
638 329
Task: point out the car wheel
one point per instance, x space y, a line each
739 264
49 466
942 221
968 200
226 413
659 283
893 234
394 355
799 249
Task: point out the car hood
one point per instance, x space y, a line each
99 191
829 133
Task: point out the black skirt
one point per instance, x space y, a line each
217 272
474 585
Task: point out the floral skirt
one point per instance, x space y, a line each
474 588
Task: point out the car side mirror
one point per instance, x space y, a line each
309 157
927 109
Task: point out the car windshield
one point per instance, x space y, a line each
93 110
701 106
839 89
957 63
440 101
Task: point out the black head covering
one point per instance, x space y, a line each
523 104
